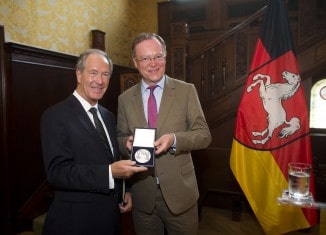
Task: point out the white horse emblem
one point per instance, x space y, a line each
272 96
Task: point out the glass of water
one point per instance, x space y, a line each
299 179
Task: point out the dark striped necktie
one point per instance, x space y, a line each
101 131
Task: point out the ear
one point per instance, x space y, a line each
78 75
135 63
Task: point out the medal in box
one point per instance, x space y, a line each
143 150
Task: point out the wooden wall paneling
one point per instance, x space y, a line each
165 17
241 54
312 60
110 99
39 78
195 74
237 11
178 49
213 171
179 62
203 76
306 20
217 185
220 69
228 63
318 141
195 13
4 178
213 70
128 80
218 14
200 40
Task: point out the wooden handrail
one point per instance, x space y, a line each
36 205
229 33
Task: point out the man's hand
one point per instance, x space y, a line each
125 168
130 140
164 143
126 205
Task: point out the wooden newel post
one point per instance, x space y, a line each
98 39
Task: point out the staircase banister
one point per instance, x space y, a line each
237 28
37 204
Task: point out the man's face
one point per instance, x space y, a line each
150 60
94 80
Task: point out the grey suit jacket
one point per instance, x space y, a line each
180 113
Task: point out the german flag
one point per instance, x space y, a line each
272 127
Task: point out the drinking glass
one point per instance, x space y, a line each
299 179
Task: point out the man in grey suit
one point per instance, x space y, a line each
84 169
165 197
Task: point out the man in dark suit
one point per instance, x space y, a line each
83 168
164 198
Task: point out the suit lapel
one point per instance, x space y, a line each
83 118
137 106
81 115
111 130
168 97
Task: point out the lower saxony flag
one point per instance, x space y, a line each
272 127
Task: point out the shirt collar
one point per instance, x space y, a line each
159 84
83 102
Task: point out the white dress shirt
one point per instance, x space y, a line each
86 107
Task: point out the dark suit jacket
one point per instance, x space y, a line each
76 165
180 113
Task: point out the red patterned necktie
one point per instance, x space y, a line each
152 108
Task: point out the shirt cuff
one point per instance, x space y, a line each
174 142
173 147
111 179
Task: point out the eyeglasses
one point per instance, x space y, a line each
95 73
148 59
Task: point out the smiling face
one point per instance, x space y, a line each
150 61
93 80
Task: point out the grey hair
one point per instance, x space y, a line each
145 36
81 62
